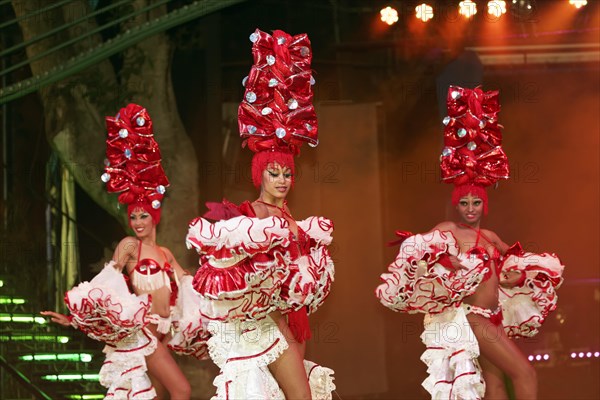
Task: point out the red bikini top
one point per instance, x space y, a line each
482 253
146 264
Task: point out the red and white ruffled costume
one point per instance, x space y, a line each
107 311
417 282
250 267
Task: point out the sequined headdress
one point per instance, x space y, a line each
472 158
133 166
276 115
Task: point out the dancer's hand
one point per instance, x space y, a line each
57 317
456 262
509 279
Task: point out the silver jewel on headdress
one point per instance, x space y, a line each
105 177
123 133
446 120
270 59
251 129
253 37
160 189
292 104
140 121
280 133
461 133
156 204
266 111
251 97
280 40
315 144
471 146
447 151
308 126
127 153
244 81
273 82
455 95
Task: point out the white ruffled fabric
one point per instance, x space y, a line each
248 270
525 308
124 371
244 349
416 282
451 357
190 336
316 271
105 310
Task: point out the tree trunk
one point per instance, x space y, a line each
74 111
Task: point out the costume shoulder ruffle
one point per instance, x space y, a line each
418 282
526 306
247 268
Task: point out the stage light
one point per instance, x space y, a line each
530 358
496 8
581 354
22 318
11 300
74 357
522 4
71 377
573 355
424 12
389 15
546 357
578 3
467 8
597 354
34 338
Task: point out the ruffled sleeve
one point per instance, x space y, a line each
526 306
418 281
251 267
104 309
243 265
190 334
312 273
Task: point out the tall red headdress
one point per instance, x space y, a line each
276 115
133 161
472 158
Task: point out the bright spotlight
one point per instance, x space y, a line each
546 357
496 8
389 15
530 358
578 3
424 12
467 8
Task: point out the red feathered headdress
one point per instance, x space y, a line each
133 161
472 158
277 115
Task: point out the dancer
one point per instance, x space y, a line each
260 269
474 289
163 310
